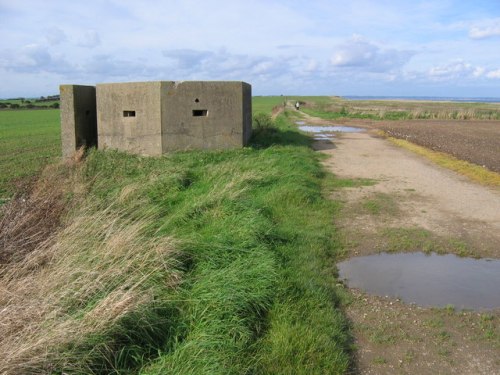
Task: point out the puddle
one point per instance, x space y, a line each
323 136
324 129
300 122
427 280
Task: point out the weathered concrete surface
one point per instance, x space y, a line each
140 134
151 118
224 115
78 118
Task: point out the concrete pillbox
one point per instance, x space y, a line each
152 118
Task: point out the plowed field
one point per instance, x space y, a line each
474 141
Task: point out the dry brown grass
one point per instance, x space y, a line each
407 109
74 282
34 213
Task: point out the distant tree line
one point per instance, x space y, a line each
51 101
27 105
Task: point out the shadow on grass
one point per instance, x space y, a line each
272 136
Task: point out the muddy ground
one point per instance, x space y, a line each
414 205
474 141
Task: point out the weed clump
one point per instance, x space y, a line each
32 216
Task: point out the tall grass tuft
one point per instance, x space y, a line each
81 283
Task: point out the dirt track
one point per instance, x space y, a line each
415 197
426 196
474 141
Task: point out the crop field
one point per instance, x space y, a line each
29 139
475 141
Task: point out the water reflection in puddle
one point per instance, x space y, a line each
323 129
427 280
323 136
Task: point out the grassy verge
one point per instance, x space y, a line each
201 262
472 171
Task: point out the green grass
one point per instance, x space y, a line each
254 251
265 104
28 141
409 239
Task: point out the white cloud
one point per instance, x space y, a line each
479 71
356 52
459 70
90 39
34 58
359 53
55 35
493 74
485 31
279 46
221 63
453 70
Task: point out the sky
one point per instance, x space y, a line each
447 48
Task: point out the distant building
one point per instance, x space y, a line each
152 118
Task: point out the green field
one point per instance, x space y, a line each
234 273
265 104
29 139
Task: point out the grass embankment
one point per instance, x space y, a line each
201 262
333 108
28 141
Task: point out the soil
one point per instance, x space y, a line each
414 205
475 141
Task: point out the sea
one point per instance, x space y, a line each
426 98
